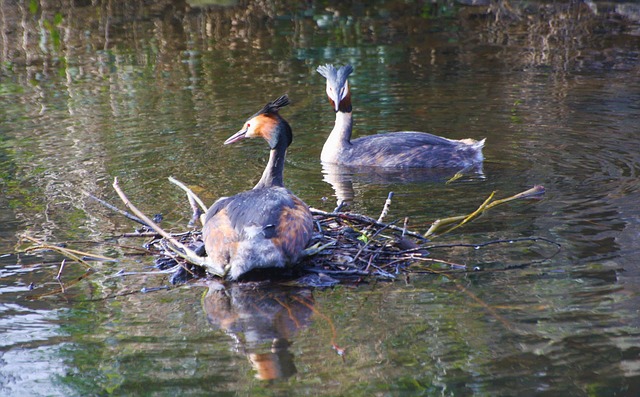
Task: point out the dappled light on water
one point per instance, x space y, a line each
535 297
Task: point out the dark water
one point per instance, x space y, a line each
142 92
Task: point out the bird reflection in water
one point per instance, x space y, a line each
262 322
342 177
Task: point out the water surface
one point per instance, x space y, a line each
144 92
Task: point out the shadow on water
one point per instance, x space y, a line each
90 91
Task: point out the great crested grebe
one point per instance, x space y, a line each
404 149
267 226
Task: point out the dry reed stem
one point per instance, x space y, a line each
69 253
176 246
485 206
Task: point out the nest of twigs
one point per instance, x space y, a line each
354 246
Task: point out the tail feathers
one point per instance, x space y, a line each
477 145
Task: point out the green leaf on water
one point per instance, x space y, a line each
33 6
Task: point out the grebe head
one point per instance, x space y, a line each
268 124
337 84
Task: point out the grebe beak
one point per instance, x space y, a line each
333 100
238 136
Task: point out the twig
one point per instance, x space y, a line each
60 271
66 251
385 209
460 174
351 272
370 239
434 260
166 246
116 209
189 192
492 242
197 206
363 219
472 215
155 234
537 190
153 273
69 253
187 253
145 234
486 205
61 289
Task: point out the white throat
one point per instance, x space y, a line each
339 139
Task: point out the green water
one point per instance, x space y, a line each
141 92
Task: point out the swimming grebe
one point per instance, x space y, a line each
267 226
403 149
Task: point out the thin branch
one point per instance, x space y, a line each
187 253
69 253
486 205
492 242
61 289
60 271
472 215
363 219
385 209
189 192
144 234
535 191
73 254
197 206
369 240
116 209
435 260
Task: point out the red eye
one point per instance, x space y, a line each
248 125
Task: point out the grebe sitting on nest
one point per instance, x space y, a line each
268 226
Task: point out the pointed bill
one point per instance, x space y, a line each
238 136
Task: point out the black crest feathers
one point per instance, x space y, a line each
274 106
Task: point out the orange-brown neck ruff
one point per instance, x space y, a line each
265 127
278 134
